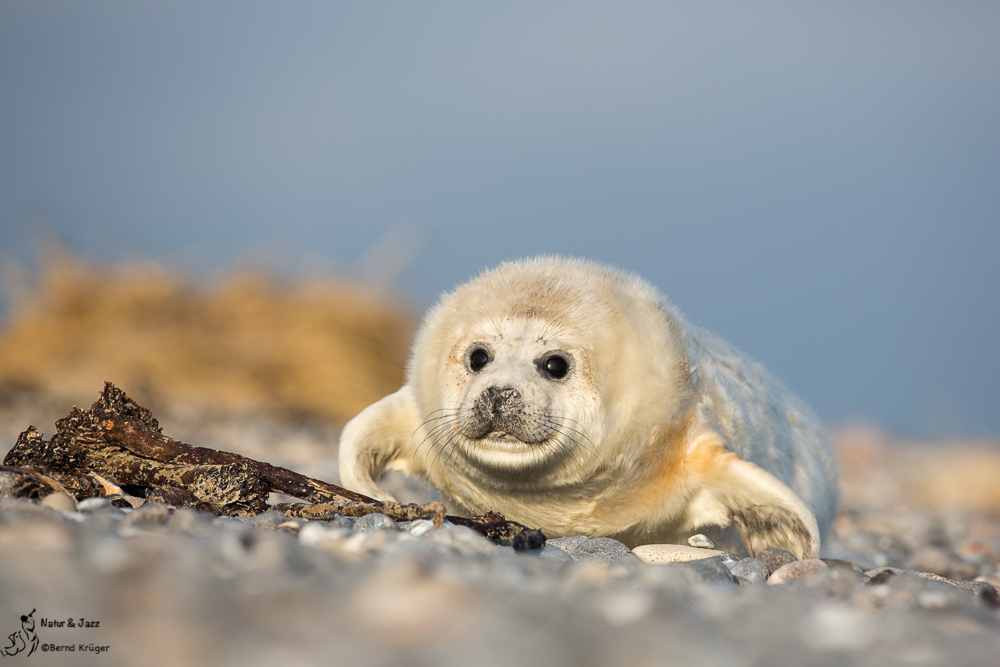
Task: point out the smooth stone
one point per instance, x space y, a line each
600 549
841 564
316 534
928 558
656 554
99 506
712 569
977 588
567 544
832 582
864 561
796 570
749 570
701 541
342 522
881 575
149 513
191 521
290 526
974 551
773 558
908 589
417 527
374 521
626 563
464 540
551 553
60 502
267 520
91 505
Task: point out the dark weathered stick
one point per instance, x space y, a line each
496 527
330 510
149 444
121 441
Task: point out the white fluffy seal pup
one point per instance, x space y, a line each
573 398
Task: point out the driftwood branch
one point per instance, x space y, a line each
120 442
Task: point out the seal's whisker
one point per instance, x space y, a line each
566 445
579 432
434 432
448 445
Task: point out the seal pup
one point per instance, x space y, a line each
573 398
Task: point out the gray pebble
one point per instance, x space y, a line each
841 564
977 588
149 513
342 522
374 522
464 540
897 587
749 570
626 563
416 528
838 582
727 558
268 520
600 549
773 558
91 505
929 558
567 544
549 552
101 506
712 569
191 521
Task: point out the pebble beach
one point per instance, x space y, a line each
904 579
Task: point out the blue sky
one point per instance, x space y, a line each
819 183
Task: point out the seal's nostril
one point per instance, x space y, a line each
499 398
508 394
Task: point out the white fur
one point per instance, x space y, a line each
660 428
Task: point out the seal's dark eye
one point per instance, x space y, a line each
478 359
555 367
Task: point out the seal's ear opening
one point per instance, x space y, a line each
739 493
374 440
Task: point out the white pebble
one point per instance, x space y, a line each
672 553
701 541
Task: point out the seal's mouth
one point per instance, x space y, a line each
503 440
498 454
501 435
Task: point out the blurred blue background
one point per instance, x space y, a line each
818 183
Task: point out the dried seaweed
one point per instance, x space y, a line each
118 441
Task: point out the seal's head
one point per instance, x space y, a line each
573 398
528 371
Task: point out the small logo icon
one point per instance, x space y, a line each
24 639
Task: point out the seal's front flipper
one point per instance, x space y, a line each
761 507
374 439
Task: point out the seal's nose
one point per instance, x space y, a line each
498 400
